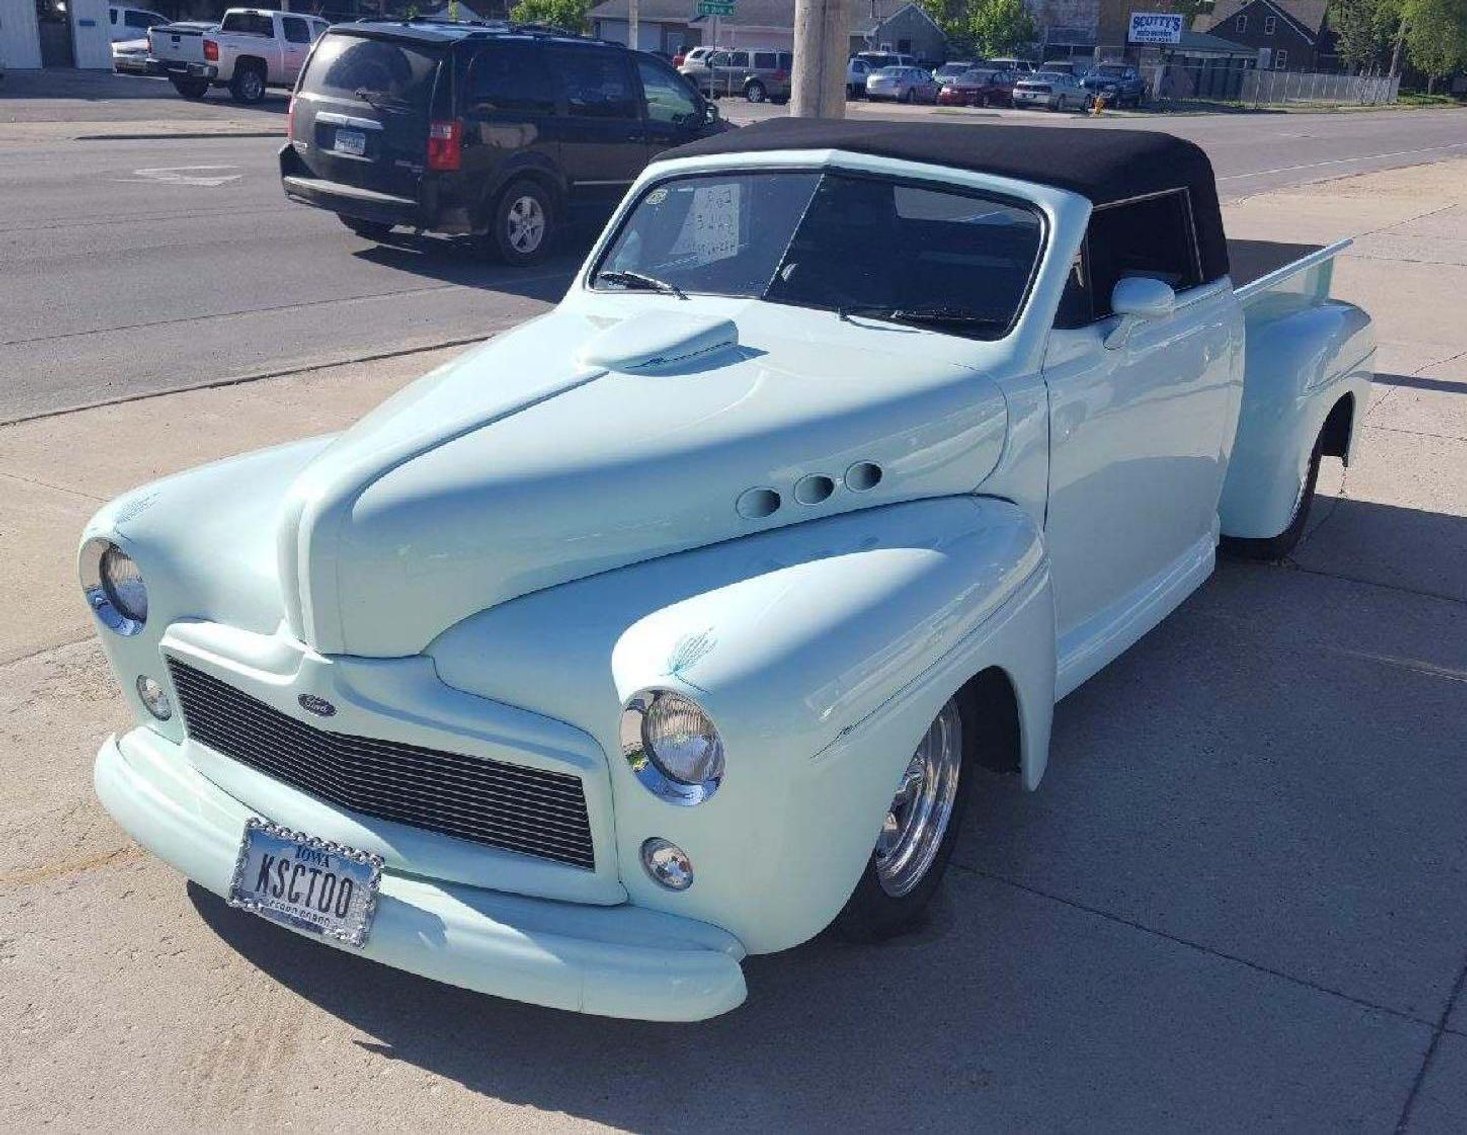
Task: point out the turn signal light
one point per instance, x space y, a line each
211 51
290 118
445 145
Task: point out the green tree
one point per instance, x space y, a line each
1436 36
567 14
1364 29
1000 27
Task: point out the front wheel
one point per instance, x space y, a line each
1274 548
523 221
910 96
190 88
918 833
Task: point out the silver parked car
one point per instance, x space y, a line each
1053 90
902 84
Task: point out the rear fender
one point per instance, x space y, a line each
1299 365
822 652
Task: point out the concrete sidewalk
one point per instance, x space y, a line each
1238 902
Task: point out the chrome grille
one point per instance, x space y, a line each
521 809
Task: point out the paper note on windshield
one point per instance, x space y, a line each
711 230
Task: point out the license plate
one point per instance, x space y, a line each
352 142
306 883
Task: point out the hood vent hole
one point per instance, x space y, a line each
862 476
813 489
756 504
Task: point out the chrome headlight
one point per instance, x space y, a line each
114 586
672 746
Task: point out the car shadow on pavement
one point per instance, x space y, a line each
468 263
1199 913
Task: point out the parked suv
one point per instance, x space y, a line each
768 76
757 75
461 129
1120 83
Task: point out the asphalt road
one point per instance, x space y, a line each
133 266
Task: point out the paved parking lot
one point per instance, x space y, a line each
1238 902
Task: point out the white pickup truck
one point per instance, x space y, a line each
251 50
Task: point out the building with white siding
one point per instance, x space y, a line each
55 33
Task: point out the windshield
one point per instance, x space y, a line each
1109 72
375 70
836 241
1048 77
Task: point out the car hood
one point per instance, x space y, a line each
582 442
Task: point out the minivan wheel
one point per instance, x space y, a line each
755 92
523 221
910 96
248 84
920 829
371 230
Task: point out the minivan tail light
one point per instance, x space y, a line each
780 76
211 51
445 145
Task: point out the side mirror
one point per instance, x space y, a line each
1136 299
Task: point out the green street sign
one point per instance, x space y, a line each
715 7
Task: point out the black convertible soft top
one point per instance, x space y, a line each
1103 165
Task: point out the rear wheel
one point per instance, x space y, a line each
910 96
1274 548
524 217
248 84
372 230
755 92
190 88
1060 105
919 832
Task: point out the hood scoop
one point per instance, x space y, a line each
659 341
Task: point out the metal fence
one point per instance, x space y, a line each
1223 81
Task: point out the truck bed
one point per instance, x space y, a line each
1259 265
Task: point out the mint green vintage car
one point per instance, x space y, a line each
677 624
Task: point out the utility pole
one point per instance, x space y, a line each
632 24
822 45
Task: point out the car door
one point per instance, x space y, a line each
673 114
1139 429
603 142
510 109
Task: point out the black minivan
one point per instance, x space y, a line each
511 133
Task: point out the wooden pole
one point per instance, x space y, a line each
821 46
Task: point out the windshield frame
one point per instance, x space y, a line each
610 239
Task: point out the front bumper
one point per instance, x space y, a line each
617 961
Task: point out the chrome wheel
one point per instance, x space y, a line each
525 224
920 812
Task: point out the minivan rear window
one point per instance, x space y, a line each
371 70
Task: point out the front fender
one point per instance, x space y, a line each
822 651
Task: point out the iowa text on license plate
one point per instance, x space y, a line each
306 883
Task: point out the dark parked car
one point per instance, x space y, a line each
1121 84
462 129
979 87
